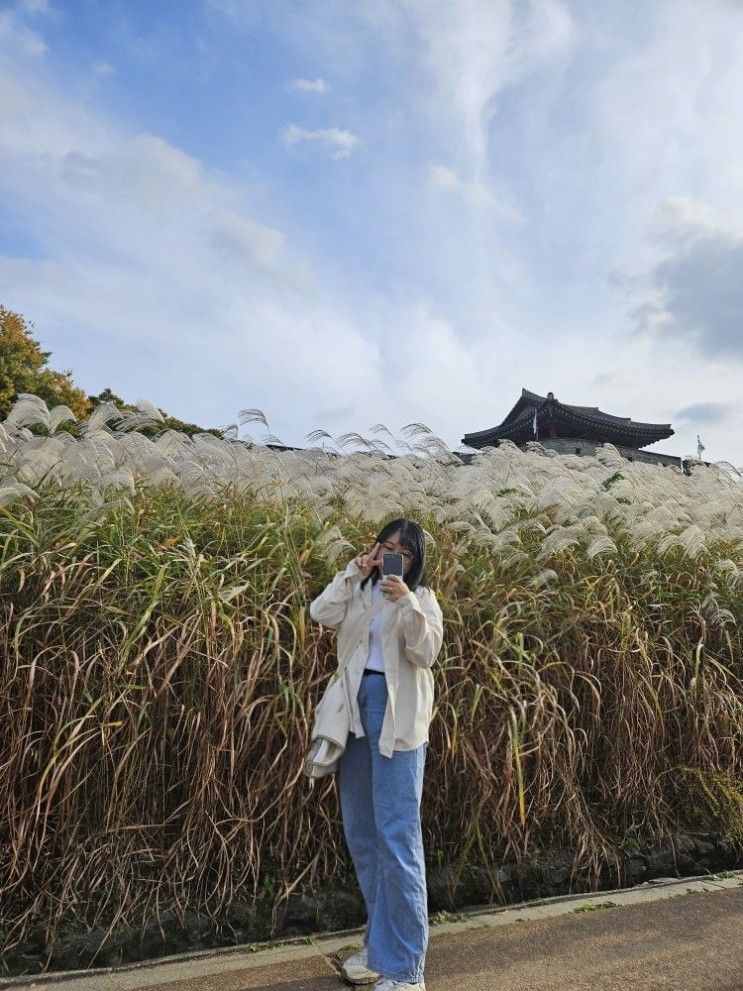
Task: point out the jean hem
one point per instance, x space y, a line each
395 977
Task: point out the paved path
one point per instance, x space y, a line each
684 935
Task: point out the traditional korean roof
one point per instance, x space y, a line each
583 422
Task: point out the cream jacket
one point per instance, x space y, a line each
412 633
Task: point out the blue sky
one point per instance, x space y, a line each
386 211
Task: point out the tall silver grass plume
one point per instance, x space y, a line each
332 544
60 414
556 542
716 614
28 410
380 428
252 416
16 490
120 478
131 420
100 417
171 441
258 416
315 435
666 543
431 445
566 515
729 571
601 545
38 462
355 438
145 406
693 540
544 578
228 594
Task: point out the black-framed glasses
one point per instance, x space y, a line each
391 550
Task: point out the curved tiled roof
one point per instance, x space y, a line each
588 422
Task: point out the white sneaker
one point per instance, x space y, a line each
387 984
355 968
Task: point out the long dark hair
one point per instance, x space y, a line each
412 539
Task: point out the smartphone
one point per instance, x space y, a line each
392 564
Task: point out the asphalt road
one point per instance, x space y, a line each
682 939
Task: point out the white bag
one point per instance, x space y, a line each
332 722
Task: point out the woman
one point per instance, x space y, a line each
380 774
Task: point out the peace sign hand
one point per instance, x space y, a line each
367 562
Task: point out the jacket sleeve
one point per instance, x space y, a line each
329 608
423 626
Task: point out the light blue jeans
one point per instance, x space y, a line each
380 805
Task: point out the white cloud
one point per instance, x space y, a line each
15 34
319 86
474 48
34 6
705 413
679 221
475 194
154 277
696 291
102 68
343 142
659 121
466 45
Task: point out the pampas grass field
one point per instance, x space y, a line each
159 669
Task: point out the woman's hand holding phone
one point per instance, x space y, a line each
392 585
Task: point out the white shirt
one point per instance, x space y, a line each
375 658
